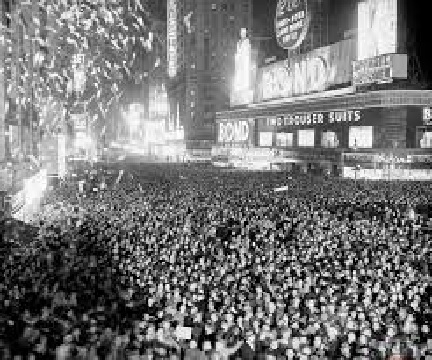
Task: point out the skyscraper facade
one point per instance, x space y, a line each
202 37
18 119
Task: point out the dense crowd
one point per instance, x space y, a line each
170 262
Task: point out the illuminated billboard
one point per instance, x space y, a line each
291 23
380 69
172 38
377 28
236 131
304 74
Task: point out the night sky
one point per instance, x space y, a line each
418 23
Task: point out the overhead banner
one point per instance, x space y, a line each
291 23
313 72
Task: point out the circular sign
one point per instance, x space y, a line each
291 23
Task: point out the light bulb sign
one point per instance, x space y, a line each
235 131
172 38
291 23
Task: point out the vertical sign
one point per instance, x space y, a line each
377 28
172 38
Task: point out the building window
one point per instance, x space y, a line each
214 7
306 138
329 139
284 139
224 7
360 137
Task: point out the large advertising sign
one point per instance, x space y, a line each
292 23
380 69
172 38
303 74
377 28
314 119
236 132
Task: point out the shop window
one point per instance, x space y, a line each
329 139
266 139
306 138
284 139
360 137
424 138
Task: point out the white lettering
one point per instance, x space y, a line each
234 131
331 117
357 115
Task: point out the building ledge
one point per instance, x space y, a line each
332 101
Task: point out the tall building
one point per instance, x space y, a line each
202 36
18 118
2 80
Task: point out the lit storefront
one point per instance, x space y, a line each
386 124
319 112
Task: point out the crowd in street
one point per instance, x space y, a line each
172 262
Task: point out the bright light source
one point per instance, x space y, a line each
134 115
377 28
35 187
243 63
83 141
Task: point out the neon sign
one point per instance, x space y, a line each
292 23
380 69
377 28
237 131
307 119
313 72
172 38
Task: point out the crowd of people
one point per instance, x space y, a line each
172 262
